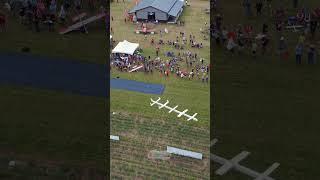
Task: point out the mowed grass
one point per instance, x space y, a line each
266 105
143 128
51 125
140 135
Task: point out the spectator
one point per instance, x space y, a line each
264 28
283 48
77 4
53 8
62 15
247 6
66 5
22 14
259 6
313 27
265 42
36 20
299 51
254 48
311 55
301 38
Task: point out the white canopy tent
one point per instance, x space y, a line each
125 47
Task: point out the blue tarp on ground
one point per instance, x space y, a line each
54 74
142 87
65 75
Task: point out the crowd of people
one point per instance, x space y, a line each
247 37
174 65
37 14
185 64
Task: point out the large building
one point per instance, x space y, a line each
161 10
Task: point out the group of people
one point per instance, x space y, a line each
192 60
35 13
171 64
242 37
299 51
180 44
194 66
166 68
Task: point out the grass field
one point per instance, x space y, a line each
143 128
266 105
50 125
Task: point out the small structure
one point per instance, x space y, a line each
116 138
125 47
158 10
182 152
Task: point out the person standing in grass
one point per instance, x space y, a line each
36 20
77 4
311 55
66 5
240 44
53 8
62 15
265 42
157 51
269 6
279 26
302 38
259 6
247 6
299 51
283 48
254 48
203 77
22 14
313 27
231 45
224 35
264 28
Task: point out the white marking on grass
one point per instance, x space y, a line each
228 165
174 109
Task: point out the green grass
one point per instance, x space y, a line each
192 95
140 135
143 128
266 106
50 125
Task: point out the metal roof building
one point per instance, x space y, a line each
161 10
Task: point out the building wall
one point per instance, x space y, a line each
143 14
